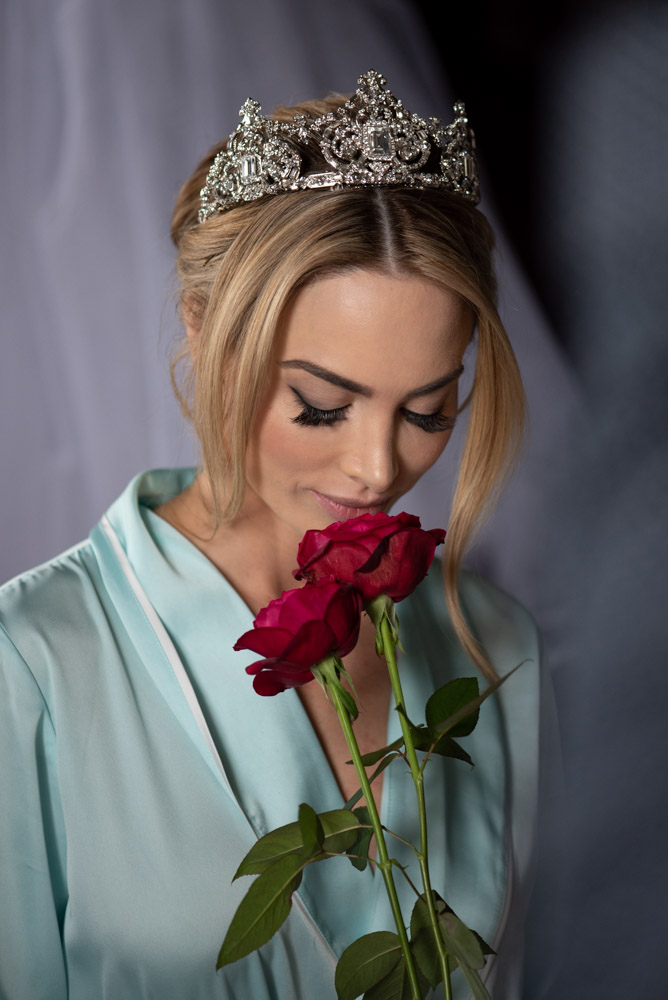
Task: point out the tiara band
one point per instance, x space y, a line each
372 139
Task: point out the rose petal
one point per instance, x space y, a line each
267 641
271 682
414 555
270 615
303 605
255 668
268 683
312 643
338 560
343 617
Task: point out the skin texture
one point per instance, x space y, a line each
391 335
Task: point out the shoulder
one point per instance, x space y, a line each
31 595
503 626
46 609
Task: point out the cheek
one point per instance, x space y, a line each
419 456
280 451
422 453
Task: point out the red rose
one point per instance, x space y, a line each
377 553
299 629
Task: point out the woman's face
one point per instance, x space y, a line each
361 400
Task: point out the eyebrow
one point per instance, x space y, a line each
364 390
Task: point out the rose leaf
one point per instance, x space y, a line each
422 941
442 745
262 910
402 711
313 835
340 829
349 702
461 941
449 699
361 846
424 948
476 984
486 948
366 962
374 755
446 747
396 985
381 767
451 724
419 917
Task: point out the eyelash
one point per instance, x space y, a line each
311 416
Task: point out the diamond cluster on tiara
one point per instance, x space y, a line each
372 139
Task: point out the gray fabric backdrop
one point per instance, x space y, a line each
106 107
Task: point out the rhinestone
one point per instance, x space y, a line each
379 139
250 167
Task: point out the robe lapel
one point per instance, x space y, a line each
270 757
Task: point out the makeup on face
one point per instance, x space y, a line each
362 397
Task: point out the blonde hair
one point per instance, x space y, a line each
241 269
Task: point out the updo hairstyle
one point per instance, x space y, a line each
240 270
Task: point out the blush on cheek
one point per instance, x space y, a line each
281 454
421 452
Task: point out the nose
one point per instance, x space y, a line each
370 457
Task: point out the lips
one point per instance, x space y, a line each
343 509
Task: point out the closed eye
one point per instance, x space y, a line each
432 423
313 416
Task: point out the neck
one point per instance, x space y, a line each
254 552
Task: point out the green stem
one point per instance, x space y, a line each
447 985
410 881
418 779
384 863
403 841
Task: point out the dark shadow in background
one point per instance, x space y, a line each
571 104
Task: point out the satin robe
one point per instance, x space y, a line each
138 766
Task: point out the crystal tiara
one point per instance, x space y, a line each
372 139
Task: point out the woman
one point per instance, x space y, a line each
333 273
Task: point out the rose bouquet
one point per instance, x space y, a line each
365 564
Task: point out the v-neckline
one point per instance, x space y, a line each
256 769
165 531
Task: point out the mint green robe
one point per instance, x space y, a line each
138 766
